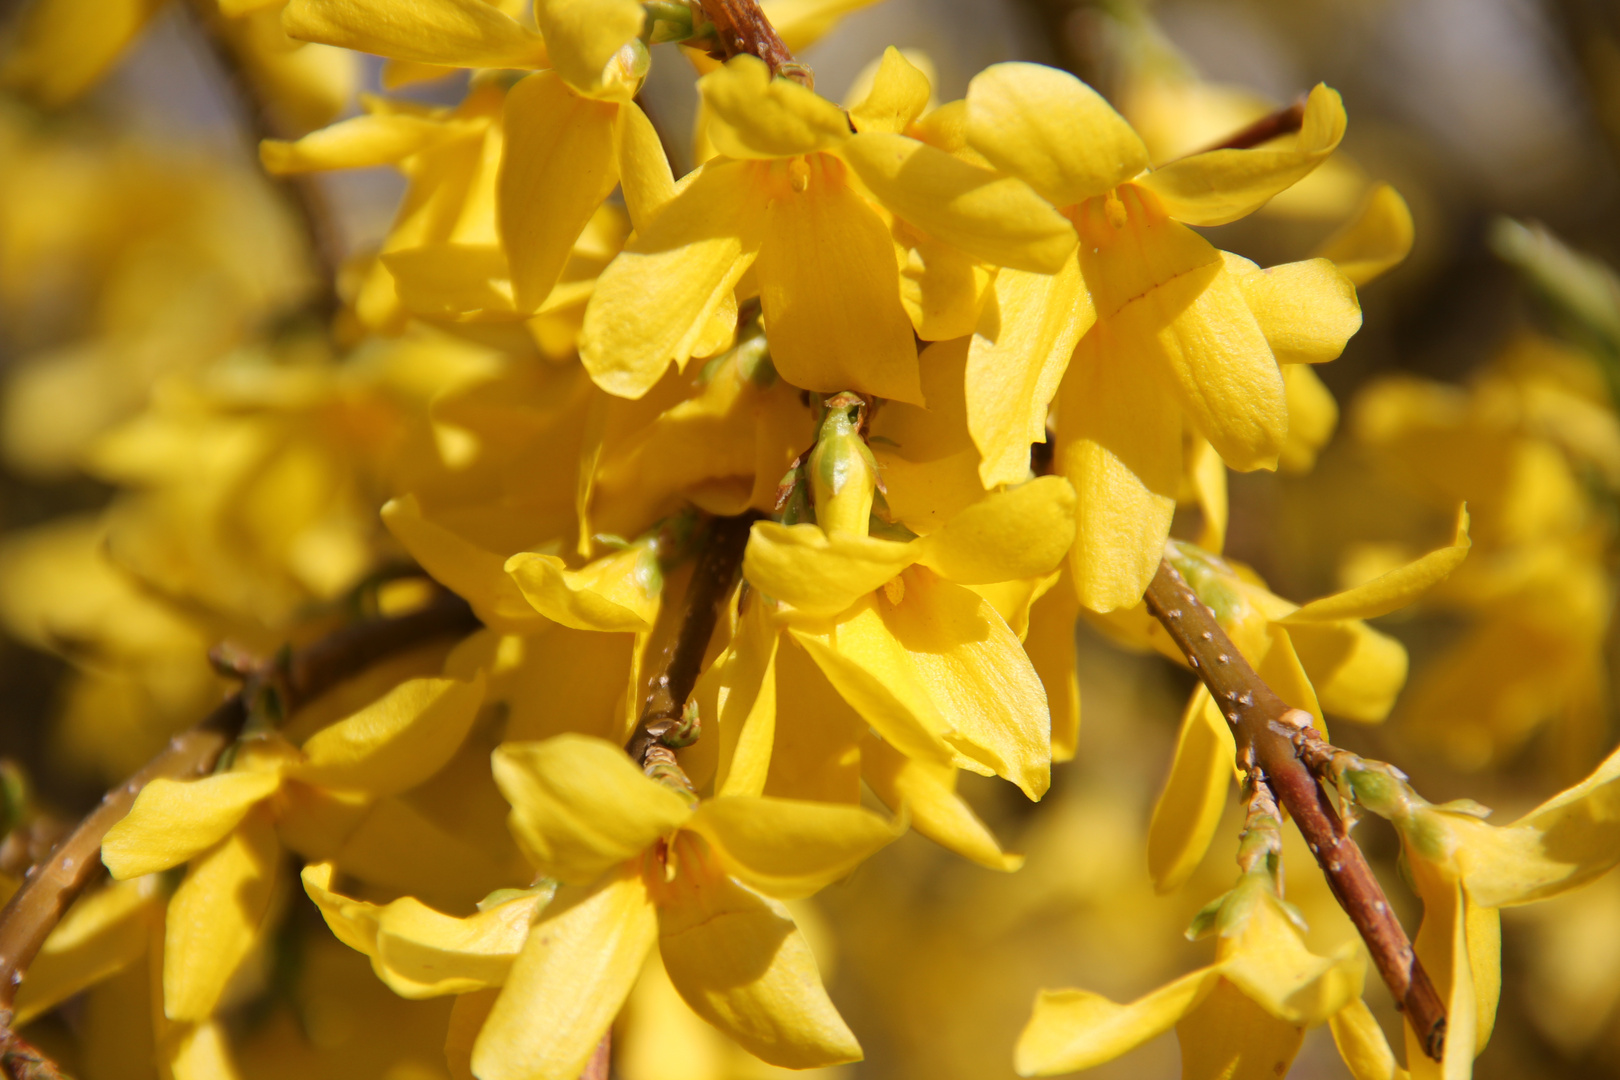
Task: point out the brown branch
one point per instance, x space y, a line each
1284 121
741 27
295 679
678 669
1267 730
600 1067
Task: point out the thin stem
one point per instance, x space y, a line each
1266 729
295 679
600 1067
1284 121
741 27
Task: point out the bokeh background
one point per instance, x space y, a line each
145 194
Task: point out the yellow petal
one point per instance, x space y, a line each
579 804
942 287
1019 533
173 821
584 35
874 673
788 848
1219 186
816 744
1120 446
740 962
452 281
557 166
898 95
1307 310
1265 958
459 33
64 46
475 573
1443 947
569 982
361 142
753 115
1051 648
1076 1029
1051 130
977 674
801 23
1362 1045
925 794
644 173
1391 591
217 917
651 304
1377 239
101 933
1356 670
1206 473
1020 350
998 219
830 290
618 592
1227 1036
397 741
1312 417
820 573
747 705
398 848
1189 808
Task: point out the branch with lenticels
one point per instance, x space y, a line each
1273 739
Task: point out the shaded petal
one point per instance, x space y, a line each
830 290
557 165
1377 239
998 219
1307 310
1391 591
1120 446
644 173
1189 808
740 962
361 142
816 749
801 23
101 934
584 35
397 741
1051 648
472 572
619 592
459 33
174 820
569 982
398 848
820 573
217 917
977 674
1023 532
755 115
1356 670
1219 186
925 795
1227 1036
652 303
1076 1029
1048 128
899 94
65 46
1019 353
1312 417
1362 1044
579 804
746 702
788 848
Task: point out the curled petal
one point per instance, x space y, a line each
1076 1029
1307 310
458 33
173 821
1375 240
899 94
1391 591
1023 532
617 593
397 741
788 848
820 573
1189 808
755 115
925 794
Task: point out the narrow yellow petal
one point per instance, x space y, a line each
174 820
1307 310
557 166
1313 416
747 705
1219 186
788 848
458 33
569 982
898 95
1377 239
1362 1044
1393 590
1051 130
652 303
397 741
1076 1029
425 953
976 672
1020 350
820 573
584 35
102 933
361 142
830 289
755 115
740 962
644 172
998 219
475 573
217 917
1206 472
579 805
1051 648
1120 446
1227 1036
1442 945
925 794
816 744
1022 532
619 592
1189 808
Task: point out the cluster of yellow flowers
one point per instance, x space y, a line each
940 373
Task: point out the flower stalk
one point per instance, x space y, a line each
741 27
1269 735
